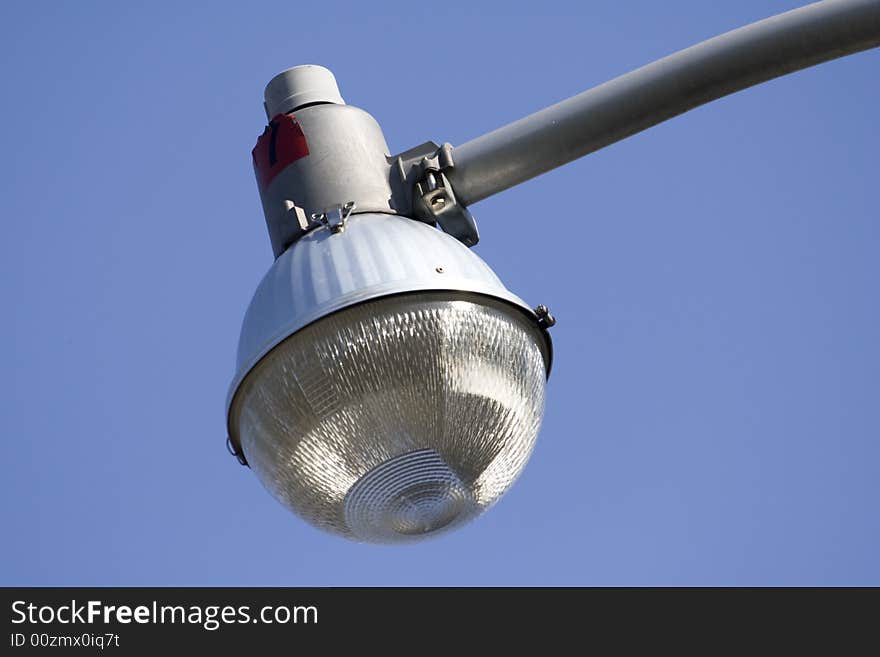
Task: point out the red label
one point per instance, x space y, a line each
281 144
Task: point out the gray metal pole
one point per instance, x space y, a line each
661 90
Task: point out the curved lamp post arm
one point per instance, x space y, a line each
661 90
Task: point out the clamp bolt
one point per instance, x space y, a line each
545 319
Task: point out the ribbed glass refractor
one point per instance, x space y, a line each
397 418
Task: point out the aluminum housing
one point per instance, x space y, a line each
376 255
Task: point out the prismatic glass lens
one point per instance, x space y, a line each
397 418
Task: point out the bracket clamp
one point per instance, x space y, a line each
423 169
334 218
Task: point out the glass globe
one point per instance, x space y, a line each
397 418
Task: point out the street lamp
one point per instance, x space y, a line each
388 386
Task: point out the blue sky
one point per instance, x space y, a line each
714 411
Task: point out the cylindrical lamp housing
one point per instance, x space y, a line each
316 154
